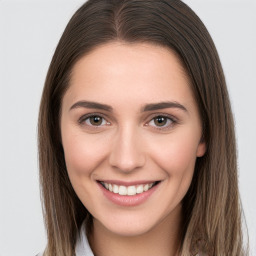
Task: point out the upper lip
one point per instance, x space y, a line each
128 183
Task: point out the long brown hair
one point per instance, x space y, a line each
211 208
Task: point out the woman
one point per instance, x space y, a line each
136 136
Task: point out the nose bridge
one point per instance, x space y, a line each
127 149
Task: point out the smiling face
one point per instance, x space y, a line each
131 133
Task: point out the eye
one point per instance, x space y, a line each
161 122
93 120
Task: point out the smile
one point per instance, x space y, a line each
128 193
127 190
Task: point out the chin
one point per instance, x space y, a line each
129 229
133 223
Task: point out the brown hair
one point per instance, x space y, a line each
212 212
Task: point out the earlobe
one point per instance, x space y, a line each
201 149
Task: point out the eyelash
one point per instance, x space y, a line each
84 118
168 118
171 121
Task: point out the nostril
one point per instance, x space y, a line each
127 162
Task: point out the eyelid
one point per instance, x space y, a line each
173 119
82 119
154 115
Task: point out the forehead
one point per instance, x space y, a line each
122 71
116 57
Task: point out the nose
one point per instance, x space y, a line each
127 152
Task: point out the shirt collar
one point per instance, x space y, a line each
82 245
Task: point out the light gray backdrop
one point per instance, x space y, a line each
29 32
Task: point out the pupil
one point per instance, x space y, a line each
96 120
160 121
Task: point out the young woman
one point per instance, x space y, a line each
136 136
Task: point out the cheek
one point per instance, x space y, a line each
176 155
82 155
177 159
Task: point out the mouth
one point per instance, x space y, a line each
131 190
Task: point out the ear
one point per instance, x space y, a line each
201 149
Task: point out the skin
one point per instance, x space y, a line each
129 144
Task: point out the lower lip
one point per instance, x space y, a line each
128 200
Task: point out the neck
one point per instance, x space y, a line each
163 239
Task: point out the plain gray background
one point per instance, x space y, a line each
29 32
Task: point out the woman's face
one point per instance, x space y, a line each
131 133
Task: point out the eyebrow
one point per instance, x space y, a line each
90 104
162 105
146 108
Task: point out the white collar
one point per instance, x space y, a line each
82 245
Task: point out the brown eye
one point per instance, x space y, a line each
160 120
96 120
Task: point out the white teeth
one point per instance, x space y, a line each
130 190
145 188
139 189
115 189
122 191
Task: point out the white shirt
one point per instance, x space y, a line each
82 245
